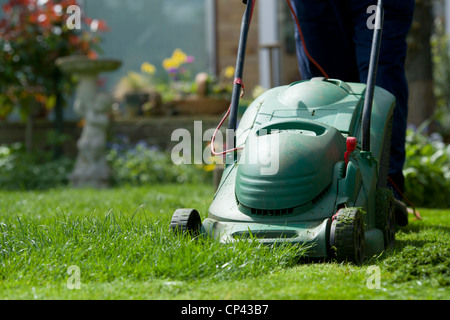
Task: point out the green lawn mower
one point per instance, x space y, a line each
310 167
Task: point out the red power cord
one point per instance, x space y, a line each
236 81
414 209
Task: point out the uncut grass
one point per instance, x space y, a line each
117 246
120 238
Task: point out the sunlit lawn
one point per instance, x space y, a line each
119 240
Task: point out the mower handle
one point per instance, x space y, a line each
372 78
238 85
237 88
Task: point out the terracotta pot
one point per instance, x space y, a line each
201 105
134 103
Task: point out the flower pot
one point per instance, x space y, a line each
134 102
201 105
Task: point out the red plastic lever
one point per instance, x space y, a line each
351 146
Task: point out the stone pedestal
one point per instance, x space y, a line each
91 169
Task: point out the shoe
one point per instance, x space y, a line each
401 213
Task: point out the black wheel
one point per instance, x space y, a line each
347 236
385 216
186 221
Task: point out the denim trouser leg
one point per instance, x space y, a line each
337 37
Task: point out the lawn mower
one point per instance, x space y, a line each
329 190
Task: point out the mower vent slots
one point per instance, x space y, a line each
270 213
321 195
265 212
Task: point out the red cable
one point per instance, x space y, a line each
213 149
236 81
415 212
303 41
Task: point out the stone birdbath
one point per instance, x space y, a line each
91 169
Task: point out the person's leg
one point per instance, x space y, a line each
328 35
391 76
391 70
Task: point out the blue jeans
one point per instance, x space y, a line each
337 37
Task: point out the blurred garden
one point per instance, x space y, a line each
34 89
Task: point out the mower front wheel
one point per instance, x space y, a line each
186 221
347 237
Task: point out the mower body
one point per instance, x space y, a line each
291 175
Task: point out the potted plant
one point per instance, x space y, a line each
204 95
137 92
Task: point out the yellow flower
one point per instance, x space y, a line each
168 64
209 167
148 68
229 72
179 57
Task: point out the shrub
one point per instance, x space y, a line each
143 164
20 170
131 165
427 170
33 34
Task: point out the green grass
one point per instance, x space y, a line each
120 241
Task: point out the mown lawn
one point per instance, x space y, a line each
120 243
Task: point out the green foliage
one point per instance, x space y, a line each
137 166
427 171
20 170
441 74
141 165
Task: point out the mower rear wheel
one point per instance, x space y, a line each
186 221
385 216
347 236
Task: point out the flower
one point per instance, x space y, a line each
177 60
229 72
148 68
179 57
209 167
96 25
190 59
168 64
